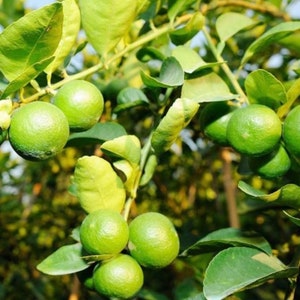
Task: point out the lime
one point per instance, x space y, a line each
254 130
120 277
214 119
82 103
272 165
291 131
104 231
38 130
153 240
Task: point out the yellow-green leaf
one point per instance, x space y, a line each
97 185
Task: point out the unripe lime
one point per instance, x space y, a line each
120 277
153 240
214 119
291 131
81 102
254 130
38 130
104 231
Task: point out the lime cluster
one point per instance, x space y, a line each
39 130
257 133
121 250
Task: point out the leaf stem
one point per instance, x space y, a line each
225 68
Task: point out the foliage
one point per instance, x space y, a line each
157 64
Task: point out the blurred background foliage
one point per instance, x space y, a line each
37 213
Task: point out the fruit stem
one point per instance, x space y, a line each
138 43
225 68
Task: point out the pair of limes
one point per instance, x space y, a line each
256 132
151 241
40 130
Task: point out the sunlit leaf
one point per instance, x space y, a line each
207 88
178 117
227 237
171 75
228 24
184 34
29 41
287 196
238 268
106 22
127 147
293 219
273 35
262 87
65 260
149 169
70 29
98 134
97 185
24 78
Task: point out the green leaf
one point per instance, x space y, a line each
127 147
171 75
65 260
29 41
292 95
273 35
130 97
177 6
70 29
228 24
184 34
148 53
97 185
23 79
293 219
238 268
264 88
177 117
207 88
106 22
227 237
287 196
98 134
149 169
190 60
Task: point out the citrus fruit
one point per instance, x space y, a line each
254 130
38 130
291 131
120 277
82 103
272 165
214 119
104 231
153 240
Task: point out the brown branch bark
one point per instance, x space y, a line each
230 189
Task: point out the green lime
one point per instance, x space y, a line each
214 119
272 165
104 231
153 240
120 277
81 102
38 130
254 130
291 131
